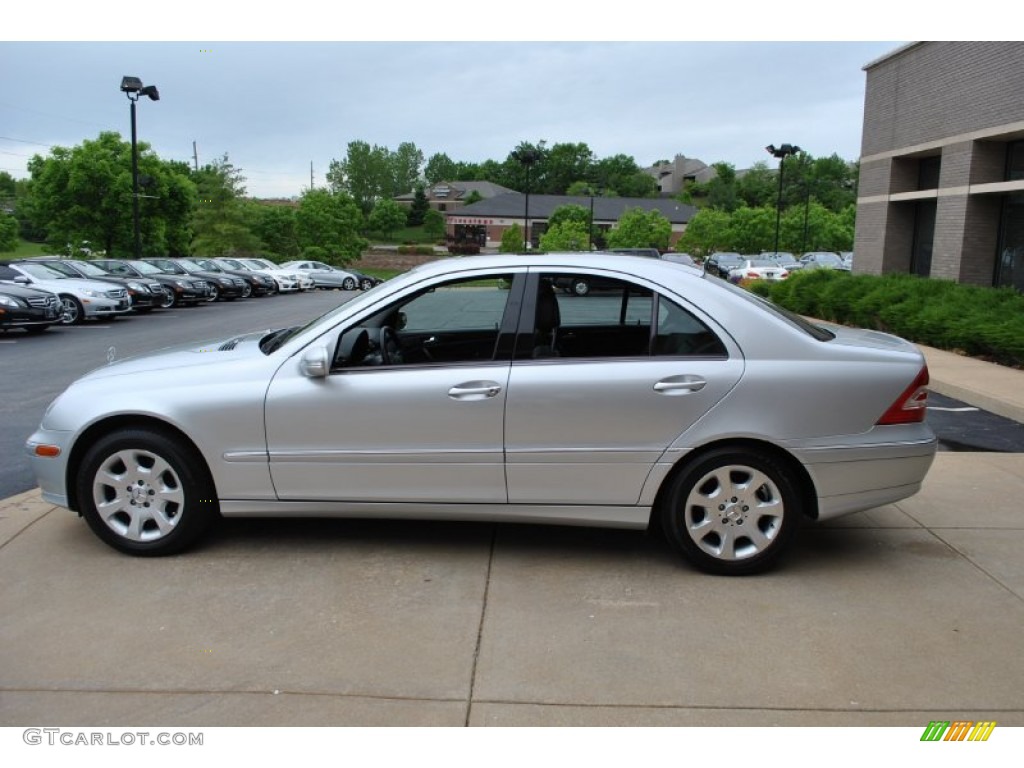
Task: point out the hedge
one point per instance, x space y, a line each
981 322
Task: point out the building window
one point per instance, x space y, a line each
1010 261
924 238
928 172
1015 161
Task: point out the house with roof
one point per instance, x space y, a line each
448 196
484 222
673 177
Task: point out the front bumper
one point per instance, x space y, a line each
51 472
98 307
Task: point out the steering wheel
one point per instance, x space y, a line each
390 349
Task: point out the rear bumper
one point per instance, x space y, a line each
854 477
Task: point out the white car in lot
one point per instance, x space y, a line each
758 269
286 281
305 281
324 275
80 299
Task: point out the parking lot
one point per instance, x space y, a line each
897 616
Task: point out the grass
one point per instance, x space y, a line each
26 249
399 236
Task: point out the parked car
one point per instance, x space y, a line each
758 269
220 285
784 259
366 282
324 275
721 262
80 299
287 282
847 257
258 283
179 290
649 253
679 257
469 389
305 282
823 260
28 308
146 294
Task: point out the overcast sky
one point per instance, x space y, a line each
276 107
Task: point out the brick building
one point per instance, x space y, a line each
486 221
942 163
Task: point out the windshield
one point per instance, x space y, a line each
42 272
147 269
819 333
208 265
91 269
260 264
231 263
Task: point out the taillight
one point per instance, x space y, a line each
751 274
910 406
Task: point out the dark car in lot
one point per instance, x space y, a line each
23 307
179 290
146 294
720 263
221 285
258 285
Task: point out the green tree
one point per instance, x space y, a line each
275 226
473 197
512 240
220 224
571 212
567 235
8 233
434 224
758 186
752 230
364 174
619 175
564 164
440 168
84 193
637 228
386 217
707 232
419 207
405 163
332 222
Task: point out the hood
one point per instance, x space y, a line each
189 355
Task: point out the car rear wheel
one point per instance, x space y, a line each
366 284
732 511
73 312
145 493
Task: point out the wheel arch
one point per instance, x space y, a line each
125 421
804 482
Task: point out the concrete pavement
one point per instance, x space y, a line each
897 616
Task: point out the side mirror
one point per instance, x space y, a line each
315 363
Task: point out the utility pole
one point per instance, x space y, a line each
195 156
310 175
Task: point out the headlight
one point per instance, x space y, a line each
93 294
9 301
138 287
181 283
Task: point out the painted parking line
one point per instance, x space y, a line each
968 409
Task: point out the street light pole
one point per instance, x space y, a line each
782 153
135 185
133 89
527 157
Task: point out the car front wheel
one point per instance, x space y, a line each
145 493
72 311
732 511
349 284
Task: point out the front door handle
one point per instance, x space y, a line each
474 390
680 385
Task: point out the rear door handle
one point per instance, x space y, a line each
680 385
474 390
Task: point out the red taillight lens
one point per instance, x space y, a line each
911 405
751 274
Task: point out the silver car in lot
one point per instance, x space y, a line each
469 389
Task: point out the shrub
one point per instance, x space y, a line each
463 249
978 321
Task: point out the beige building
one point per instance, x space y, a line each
942 163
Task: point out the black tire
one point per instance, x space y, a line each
167 500
580 287
246 291
168 300
349 284
732 511
214 294
366 284
74 312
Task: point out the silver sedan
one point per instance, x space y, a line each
324 275
470 389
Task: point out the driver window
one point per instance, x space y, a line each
454 322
